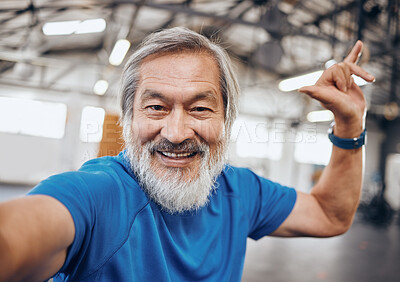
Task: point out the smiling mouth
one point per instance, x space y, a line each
178 155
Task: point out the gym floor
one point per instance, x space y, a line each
367 252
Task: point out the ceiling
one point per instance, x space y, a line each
272 39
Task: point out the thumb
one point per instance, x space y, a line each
306 89
322 94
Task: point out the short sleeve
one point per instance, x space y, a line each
72 191
103 200
267 203
272 207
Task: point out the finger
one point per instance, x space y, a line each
347 74
359 71
355 53
340 79
335 75
322 94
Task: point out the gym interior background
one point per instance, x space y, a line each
60 64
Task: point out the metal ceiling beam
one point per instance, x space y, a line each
360 19
17 13
37 85
60 75
336 11
134 17
184 10
40 60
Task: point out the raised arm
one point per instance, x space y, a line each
35 232
330 207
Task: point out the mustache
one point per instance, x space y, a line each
187 145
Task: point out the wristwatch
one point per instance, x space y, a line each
347 143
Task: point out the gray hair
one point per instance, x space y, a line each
175 40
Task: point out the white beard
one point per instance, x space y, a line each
176 190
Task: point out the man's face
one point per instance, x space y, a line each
178 118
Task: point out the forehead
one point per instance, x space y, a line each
180 70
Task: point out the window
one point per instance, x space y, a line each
30 117
313 150
92 124
255 138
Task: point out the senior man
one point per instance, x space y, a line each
169 208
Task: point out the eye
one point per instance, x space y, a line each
201 109
155 108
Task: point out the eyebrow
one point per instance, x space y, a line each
205 96
149 94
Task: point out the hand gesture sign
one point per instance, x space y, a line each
337 91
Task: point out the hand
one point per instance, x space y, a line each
337 91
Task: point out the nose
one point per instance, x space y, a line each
177 127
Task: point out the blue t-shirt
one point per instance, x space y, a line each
121 235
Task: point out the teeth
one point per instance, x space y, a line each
174 155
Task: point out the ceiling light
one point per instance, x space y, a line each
320 116
100 87
119 51
74 27
330 63
359 81
60 28
91 26
297 82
